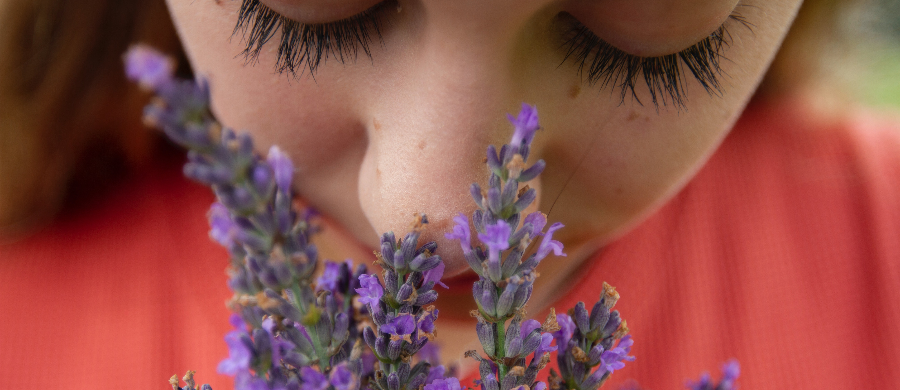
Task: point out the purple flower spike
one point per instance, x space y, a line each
496 237
312 379
435 274
222 227
403 324
283 167
461 232
526 125
444 384
342 378
149 68
239 353
370 291
548 243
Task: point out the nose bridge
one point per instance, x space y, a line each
455 80
428 132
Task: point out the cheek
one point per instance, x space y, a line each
313 117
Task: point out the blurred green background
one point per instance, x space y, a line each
875 77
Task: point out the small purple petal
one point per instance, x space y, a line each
548 243
342 378
461 232
268 324
313 379
239 353
435 274
330 277
247 381
613 359
150 68
731 370
565 332
435 372
528 326
283 167
401 325
545 346
537 220
526 125
444 384
426 321
496 236
703 384
222 228
370 291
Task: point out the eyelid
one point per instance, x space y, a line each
652 28
602 63
319 11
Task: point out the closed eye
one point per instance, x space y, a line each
601 63
304 47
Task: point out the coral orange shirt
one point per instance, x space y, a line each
783 252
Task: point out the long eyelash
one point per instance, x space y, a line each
602 63
303 47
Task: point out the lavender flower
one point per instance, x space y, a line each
273 259
313 379
330 277
548 244
526 124
370 292
613 359
150 68
342 378
730 372
284 168
595 331
506 275
461 232
293 332
239 348
444 384
399 326
223 229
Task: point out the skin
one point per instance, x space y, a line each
375 141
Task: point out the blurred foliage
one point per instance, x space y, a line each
878 83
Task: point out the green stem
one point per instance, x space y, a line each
500 349
310 329
324 362
295 289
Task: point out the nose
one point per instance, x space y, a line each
431 122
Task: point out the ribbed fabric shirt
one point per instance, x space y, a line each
783 252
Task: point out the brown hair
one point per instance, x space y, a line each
67 113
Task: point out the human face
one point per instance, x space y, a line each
378 139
